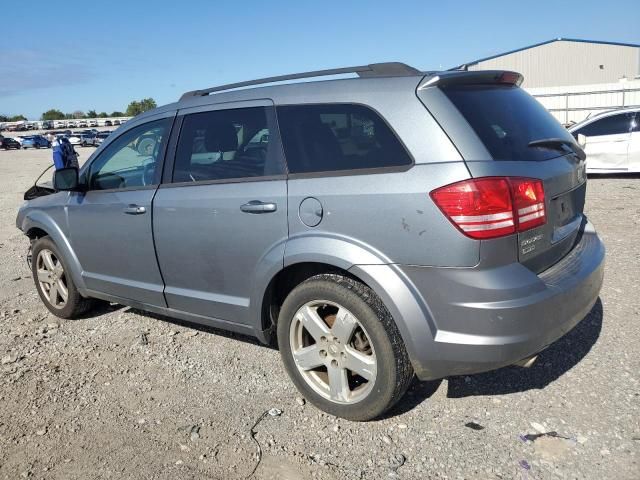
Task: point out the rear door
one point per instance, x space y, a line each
494 124
220 221
608 140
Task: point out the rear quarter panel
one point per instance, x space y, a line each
388 214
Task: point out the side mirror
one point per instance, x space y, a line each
66 179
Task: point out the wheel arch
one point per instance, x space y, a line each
307 256
37 224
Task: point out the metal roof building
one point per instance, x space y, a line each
567 62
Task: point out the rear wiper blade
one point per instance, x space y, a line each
557 144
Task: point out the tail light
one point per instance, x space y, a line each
493 207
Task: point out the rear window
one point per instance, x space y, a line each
336 137
506 118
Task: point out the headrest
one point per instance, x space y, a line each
221 137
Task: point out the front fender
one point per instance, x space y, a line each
43 221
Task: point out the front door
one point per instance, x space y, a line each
221 221
110 224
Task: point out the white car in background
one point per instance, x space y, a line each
612 141
75 139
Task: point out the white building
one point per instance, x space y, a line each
574 78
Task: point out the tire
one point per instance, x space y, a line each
374 345
75 304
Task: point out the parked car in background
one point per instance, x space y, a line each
88 139
8 143
101 136
72 124
35 141
116 122
473 263
59 124
92 123
108 123
612 141
75 139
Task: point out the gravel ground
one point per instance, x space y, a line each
125 394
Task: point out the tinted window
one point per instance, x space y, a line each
226 144
322 138
506 119
613 125
132 159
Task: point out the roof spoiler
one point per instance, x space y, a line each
478 77
389 69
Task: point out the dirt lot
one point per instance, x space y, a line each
123 394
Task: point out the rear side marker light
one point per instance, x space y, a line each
492 207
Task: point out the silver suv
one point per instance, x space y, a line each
378 227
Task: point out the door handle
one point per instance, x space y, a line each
256 206
134 210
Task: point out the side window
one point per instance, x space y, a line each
612 125
131 160
226 144
334 137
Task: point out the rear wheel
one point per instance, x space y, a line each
55 286
342 349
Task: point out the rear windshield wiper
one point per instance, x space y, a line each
557 144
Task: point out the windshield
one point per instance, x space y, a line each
507 119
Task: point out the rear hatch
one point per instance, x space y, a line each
502 131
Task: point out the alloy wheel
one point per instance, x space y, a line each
52 278
332 352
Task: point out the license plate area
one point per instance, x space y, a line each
566 212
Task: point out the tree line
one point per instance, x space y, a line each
133 109
14 118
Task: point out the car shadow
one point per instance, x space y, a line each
202 328
100 308
416 394
552 363
620 176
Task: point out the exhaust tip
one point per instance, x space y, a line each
526 362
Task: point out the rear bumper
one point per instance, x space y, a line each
482 319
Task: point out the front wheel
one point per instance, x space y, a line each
342 349
53 282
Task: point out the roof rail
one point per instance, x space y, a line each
390 69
